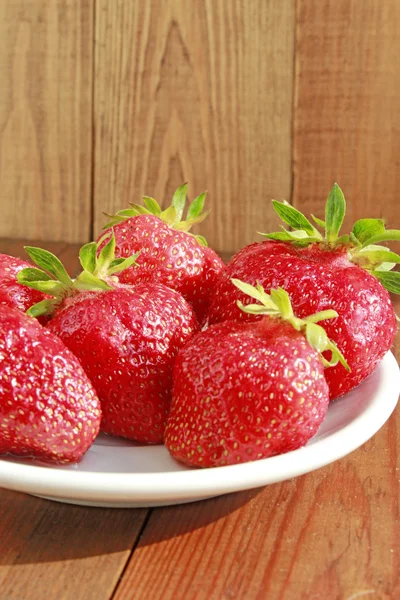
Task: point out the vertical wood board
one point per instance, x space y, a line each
347 110
198 91
46 119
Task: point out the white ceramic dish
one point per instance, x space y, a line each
117 473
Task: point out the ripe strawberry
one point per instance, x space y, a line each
48 407
245 391
13 294
169 254
348 274
126 338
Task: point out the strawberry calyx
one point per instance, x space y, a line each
99 269
102 264
362 244
277 305
172 216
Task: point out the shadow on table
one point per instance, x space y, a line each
174 521
37 531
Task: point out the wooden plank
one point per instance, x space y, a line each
58 551
198 91
15 247
69 256
46 118
333 533
67 253
347 114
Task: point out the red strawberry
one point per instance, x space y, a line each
169 254
245 391
48 407
11 292
347 274
126 338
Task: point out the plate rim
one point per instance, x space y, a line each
192 483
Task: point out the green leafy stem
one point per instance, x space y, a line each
173 215
362 243
99 272
277 304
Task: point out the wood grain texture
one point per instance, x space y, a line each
198 91
347 113
70 258
67 253
62 552
330 535
15 247
46 118
59 551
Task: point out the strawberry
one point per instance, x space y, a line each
245 391
126 337
348 274
48 407
169 254
11 292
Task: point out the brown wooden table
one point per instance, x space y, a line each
330 535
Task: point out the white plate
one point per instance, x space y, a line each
117 473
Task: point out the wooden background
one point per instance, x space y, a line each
102 101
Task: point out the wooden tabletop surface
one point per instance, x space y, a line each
330 535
